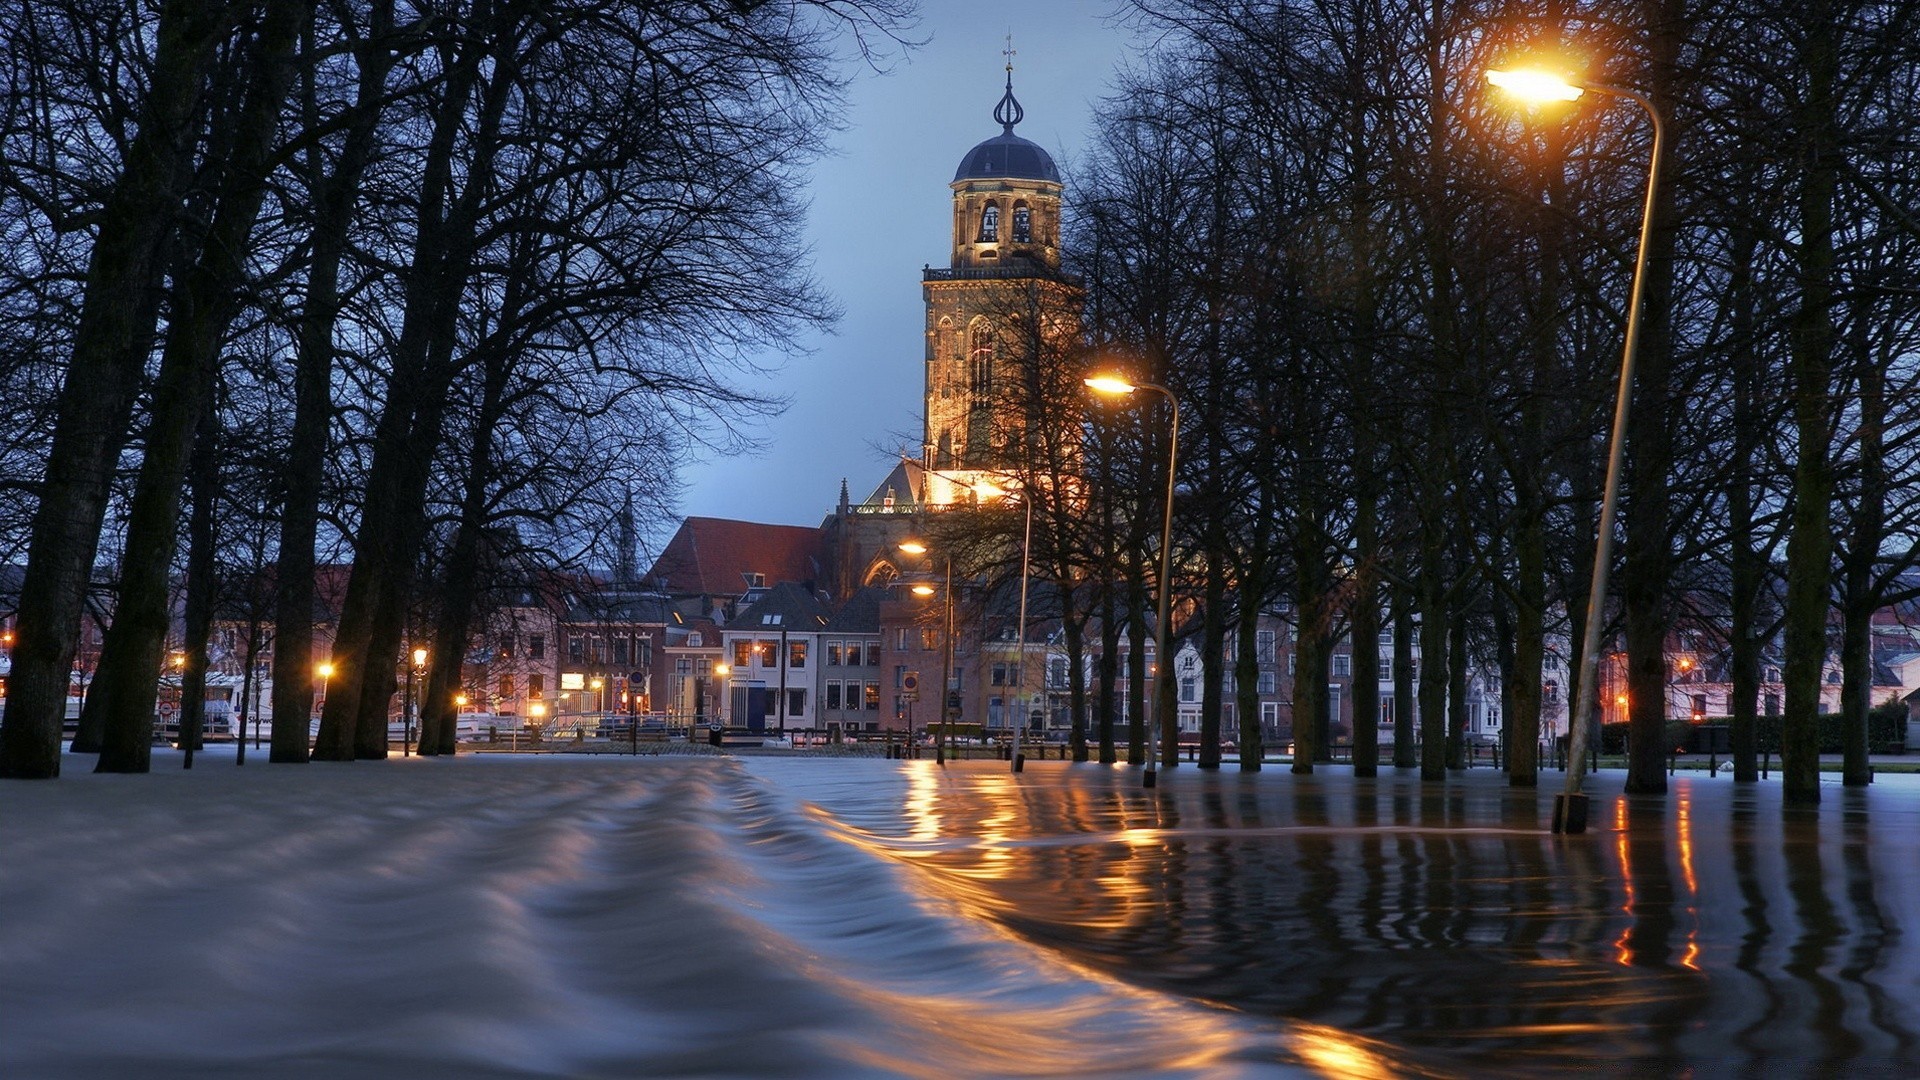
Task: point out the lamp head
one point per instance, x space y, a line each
325 669
419 657
1534 85
924 590
1112 385
913 547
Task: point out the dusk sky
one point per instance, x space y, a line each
881 211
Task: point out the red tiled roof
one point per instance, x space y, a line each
712 556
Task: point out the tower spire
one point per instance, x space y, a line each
1008 112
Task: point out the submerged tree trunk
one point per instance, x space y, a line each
332 195
203 306
1406 709
104 375
1809 550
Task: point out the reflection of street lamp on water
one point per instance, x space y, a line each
1113 385
1570 806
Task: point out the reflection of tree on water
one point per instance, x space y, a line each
1448 921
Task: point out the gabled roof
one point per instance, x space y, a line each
905 487
861 613
718 556
786 606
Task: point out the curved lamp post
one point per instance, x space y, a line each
1113 385
1570 806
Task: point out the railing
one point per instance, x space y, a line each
998 273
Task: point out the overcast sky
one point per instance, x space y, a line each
881 211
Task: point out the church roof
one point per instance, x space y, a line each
1007 156
722 557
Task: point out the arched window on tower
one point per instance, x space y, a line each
983 346
1022 224
990 224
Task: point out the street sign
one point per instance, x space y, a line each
910 682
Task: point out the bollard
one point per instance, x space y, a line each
1713 763
1673 761
1766 762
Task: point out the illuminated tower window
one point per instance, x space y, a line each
1022 224
990 225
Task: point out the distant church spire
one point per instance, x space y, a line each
1008 112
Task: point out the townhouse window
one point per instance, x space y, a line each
537 646
576 648
506 686
620 651
929 639
643 651
796 654
833 694
1188 690
536 685
873 654
1386 666
873 695
1386 710
742 653
900 639
683 666
833 654
796 702
1263 646
1343 665
766 652
1269 683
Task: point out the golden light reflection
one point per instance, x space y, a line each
1683 805
1622 951
1333 1052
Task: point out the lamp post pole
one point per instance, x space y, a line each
1164 727
1570 806
1020 642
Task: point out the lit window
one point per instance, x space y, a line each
990 224
1022 224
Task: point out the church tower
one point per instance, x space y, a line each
999 306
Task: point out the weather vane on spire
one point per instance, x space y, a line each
1008 112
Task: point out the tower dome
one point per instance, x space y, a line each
1007 156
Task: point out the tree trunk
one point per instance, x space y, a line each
1809 550
104 375
204 303
1213 650
201 584
333 200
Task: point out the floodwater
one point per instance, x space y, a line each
832 918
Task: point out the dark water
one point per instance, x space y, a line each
1443 931
765 917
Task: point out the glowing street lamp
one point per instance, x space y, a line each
324 669
915 547
407 710
1570 806
1114 386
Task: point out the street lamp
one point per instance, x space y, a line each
1570 806
325 670
915 547
406 713
1020 635
1114 386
